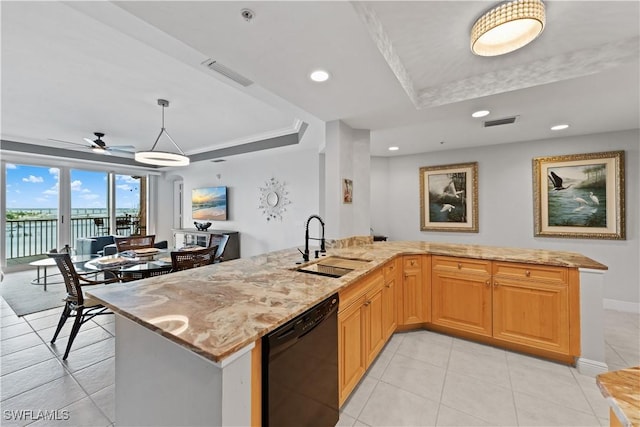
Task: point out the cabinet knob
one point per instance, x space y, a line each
387 285
367 303
495 283
527 273
488 282
413 262
459 266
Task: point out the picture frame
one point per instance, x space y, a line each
347 191
449 198
579 196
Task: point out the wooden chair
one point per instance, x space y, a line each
76 304
184 260
134 242
129 276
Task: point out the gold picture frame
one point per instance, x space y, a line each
579 196
449 198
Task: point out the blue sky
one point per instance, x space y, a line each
32 187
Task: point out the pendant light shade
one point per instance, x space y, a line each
508 27
162 158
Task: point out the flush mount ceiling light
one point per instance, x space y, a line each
507 27
559 127
481 113
162 158
394 148
319 76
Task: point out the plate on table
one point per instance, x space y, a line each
191 248
111 262
166 259
146 251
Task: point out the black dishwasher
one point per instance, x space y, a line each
300 370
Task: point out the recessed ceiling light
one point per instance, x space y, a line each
480 113
559 127
393 148
319 76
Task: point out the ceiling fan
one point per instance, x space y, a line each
99 146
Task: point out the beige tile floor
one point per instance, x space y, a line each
420 378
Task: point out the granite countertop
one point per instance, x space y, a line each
216 310
622 389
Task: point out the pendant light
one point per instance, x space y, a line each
162 158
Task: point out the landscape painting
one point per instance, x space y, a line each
209 203
449 198
580 196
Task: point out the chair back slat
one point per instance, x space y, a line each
184 260
134 242
70 276
220 240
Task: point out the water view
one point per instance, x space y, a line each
583 200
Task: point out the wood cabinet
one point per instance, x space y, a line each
391 272
411 304
461 294
361 329
531 306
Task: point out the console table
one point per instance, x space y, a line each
191 236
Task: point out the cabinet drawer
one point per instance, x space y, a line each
512 270
352 292
412 262
390 270
462 265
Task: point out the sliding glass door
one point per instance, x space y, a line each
32 210
49 207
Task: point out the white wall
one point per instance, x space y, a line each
244 175
506 202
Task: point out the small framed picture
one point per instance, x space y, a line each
579 196
449 198
347 191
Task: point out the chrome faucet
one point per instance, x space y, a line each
305 255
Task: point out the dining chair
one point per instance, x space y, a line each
77 305
221 241
134 242
100 226
186 259
129 276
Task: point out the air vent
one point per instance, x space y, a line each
214 65
500 122
218 160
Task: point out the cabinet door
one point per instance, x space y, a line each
351 350
389 307
461 301
532 313
412 303
374 327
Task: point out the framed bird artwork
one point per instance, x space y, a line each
449 198
579 196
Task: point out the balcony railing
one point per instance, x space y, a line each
31 237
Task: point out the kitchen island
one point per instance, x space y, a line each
185 341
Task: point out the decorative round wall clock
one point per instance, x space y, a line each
273 199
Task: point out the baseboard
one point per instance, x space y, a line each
614 304
591 367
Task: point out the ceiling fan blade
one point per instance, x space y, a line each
90 141
67 142
127 148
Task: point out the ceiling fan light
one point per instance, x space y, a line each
162 158
100 150
508 27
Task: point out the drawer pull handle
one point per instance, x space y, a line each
459 266
387 286
527 273
413 262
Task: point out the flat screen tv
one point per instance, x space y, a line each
209 203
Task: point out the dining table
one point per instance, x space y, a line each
143 262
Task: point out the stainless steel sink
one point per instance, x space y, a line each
333 266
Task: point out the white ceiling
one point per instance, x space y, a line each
402 69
